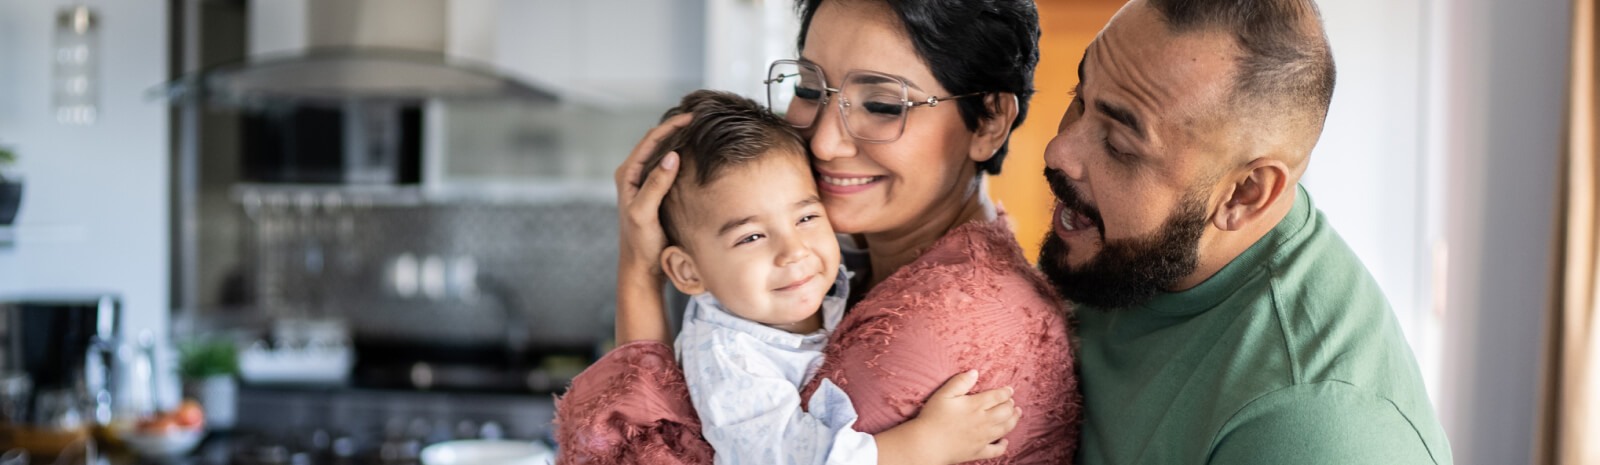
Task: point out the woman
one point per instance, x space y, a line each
946 288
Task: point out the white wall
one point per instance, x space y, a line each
1438 166
1368 173
619 51
94 210
742 38
1500 97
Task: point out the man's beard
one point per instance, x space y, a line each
1126 272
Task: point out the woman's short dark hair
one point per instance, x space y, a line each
970 46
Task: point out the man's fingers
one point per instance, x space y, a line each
958 385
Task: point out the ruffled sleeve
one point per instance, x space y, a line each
631 406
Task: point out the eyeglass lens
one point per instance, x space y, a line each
872 104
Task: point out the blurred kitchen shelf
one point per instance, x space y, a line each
311 196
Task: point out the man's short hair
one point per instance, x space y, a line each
727 130
1287 62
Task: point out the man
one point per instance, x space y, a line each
1222 320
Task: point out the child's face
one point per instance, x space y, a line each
758 239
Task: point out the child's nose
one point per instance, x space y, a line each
794 251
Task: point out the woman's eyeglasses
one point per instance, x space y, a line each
872 104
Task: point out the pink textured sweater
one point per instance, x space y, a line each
971 301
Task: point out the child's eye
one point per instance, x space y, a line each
809 218
748 239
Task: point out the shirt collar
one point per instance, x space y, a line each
704 307
1227 280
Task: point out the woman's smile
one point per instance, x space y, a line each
843 183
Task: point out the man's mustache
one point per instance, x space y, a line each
1064 192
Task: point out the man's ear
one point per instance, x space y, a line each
1254 193
993 131
681 270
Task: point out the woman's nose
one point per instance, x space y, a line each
829 139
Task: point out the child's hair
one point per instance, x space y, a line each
727 130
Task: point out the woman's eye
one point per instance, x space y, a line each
884 108
807 93
749 238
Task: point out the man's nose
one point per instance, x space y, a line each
1065 151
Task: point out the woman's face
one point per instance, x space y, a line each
884 187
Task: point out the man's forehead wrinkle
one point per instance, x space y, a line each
1139 96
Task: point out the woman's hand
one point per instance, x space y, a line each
641 313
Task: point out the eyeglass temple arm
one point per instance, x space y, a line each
934 101
787 76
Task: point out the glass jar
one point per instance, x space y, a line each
76 87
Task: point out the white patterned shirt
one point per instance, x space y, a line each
744 378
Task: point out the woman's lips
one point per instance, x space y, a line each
841 183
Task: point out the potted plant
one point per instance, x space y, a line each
208 367
10 188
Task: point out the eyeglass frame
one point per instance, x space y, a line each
905 94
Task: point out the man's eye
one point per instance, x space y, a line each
1115 154
748 239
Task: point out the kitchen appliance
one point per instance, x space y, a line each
487 452
10 200
58 355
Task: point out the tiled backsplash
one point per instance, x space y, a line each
397 267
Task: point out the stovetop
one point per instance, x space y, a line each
342 426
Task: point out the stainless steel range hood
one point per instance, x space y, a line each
343 50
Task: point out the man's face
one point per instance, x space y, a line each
1136 161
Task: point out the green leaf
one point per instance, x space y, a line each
206 358
7 156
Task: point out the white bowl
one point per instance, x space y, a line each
487 452
160 445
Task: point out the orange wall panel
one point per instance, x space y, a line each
1066 28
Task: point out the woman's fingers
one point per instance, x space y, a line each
958 385
648 200
630 175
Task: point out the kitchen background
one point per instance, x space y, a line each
469 233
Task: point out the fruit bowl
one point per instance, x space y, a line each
163 444
169 434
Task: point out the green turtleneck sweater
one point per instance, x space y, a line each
1289 354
